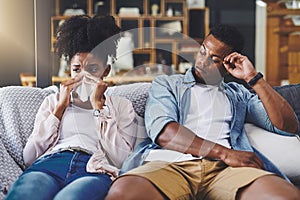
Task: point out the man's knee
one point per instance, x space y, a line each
269 187
119 189
133 187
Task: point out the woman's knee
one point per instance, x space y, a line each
33 185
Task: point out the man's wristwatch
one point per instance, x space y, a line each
98 112
254 80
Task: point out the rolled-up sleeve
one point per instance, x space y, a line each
161 107
256 114
118 130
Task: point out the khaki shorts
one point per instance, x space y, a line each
197 179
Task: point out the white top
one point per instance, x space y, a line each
78 128
208 117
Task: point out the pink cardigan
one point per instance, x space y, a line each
117 135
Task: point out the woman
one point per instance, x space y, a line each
80 140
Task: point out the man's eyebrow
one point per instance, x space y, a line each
213 55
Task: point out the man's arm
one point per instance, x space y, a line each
278 109
161 116
178 138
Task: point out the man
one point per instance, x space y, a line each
196 122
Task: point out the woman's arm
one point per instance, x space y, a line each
45 132
118 130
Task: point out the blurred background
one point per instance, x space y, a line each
270 27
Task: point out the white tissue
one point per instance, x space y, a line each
86 88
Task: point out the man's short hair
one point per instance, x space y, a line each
230 35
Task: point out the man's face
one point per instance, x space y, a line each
209 67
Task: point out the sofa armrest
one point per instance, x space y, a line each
18 107
9 170
283 151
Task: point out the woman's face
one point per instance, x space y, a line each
87 62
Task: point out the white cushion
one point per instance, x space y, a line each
283 151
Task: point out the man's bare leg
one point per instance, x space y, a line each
133 187
269 187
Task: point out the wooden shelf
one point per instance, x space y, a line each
146 43
286 30
279 44
283 12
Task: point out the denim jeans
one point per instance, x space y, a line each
61 175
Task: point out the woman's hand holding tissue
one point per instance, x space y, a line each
98 98
64 97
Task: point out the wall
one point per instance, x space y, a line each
239 13
16 40
260 35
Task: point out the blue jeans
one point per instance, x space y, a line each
61 175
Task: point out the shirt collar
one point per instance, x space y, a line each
189 79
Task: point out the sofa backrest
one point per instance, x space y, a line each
137 93
292 94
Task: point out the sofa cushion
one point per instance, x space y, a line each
137 93
292 94
9 170
18 107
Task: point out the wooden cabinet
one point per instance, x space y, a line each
282 45
147 20
294 58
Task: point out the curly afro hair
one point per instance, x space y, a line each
229 35
78 34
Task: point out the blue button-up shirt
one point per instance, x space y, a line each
169 101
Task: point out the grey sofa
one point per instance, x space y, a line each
18 107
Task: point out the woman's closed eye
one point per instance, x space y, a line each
76 68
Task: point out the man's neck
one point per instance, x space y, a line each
202 81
